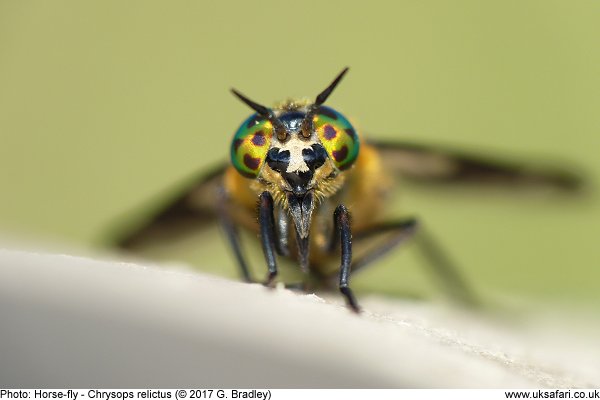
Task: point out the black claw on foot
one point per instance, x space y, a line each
350 299
270 280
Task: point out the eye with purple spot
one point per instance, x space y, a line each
250 145
337 136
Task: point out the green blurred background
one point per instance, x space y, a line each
106 105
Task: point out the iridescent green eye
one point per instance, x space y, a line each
337 136
250 145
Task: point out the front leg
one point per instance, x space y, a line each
341 221
268 238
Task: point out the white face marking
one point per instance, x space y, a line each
295 146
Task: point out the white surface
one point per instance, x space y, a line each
78 322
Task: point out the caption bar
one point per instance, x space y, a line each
99 394
298 394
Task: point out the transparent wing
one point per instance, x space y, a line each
189 208
429 164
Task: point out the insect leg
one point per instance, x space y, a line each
439 263
442 266
341 220
402 231
268 238
283 227
233 237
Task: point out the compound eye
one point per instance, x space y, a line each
337 136
250 145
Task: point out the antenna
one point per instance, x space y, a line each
264 112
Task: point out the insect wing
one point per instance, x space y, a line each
192 209
429 164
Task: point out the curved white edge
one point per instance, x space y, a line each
68 321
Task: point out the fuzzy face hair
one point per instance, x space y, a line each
325 179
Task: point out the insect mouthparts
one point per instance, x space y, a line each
301 208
